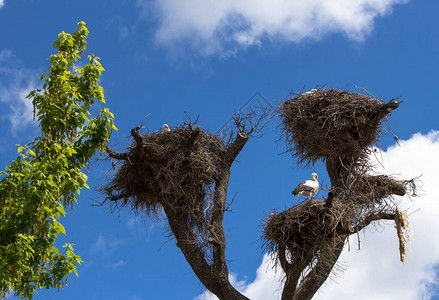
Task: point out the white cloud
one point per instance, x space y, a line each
6 54
120 26
118 264
133 222
2 3
265 286
15 84
99 244
222 26
106 245
375 272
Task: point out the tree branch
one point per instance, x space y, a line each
390 106
191 141
217 283
110 198
385 109
216 223
329 200
235 148
286 266
365 222
219 202
139 143
318 275
293 272
290 283
116 155
374 217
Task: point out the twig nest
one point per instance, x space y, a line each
372 190
331 124
303 227
177 167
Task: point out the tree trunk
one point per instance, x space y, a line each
318 275
216 282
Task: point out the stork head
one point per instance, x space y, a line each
314 176
165 128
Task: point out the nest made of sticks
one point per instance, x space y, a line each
177 168
332 124
311 227
303 228
374 190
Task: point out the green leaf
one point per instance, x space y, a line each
60 208
20 149
54 249
61 228
49 173
52 184
31 153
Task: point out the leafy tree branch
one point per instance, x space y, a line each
47 174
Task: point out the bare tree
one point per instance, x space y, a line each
184 175
338 128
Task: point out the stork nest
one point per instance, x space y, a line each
311 227
373 190
176 168
332 124
303 229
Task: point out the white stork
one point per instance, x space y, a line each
310 92
165 128
307 187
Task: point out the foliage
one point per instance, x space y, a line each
47 173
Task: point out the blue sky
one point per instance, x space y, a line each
207 58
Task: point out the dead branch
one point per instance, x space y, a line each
235 148
140 154
115 155
370 218
320 272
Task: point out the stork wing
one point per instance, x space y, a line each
302 187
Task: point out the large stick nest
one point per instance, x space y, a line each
332 124
175 168
303 229
373 191
310 226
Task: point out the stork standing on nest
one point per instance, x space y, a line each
307 187
165 128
